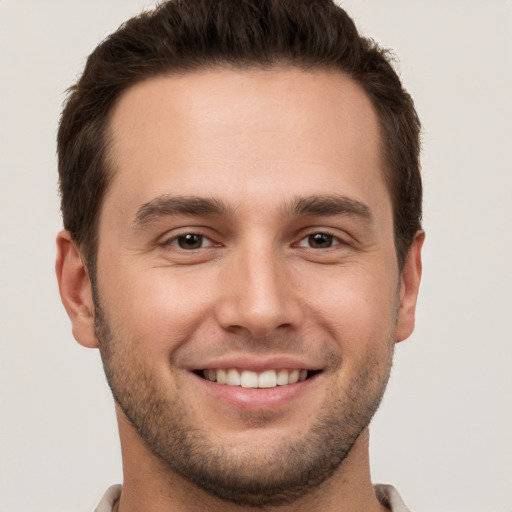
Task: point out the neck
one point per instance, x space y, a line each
149 485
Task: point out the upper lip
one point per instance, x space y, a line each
257 364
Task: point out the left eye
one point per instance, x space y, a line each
319 241
190 241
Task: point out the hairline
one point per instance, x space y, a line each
107 158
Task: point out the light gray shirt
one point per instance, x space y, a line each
386 494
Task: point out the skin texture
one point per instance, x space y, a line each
255 162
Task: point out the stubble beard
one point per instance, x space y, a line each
240 475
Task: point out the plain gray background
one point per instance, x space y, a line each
443 436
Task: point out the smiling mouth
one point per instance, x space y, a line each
251 379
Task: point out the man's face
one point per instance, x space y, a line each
247 236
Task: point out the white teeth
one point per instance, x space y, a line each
282 378
267 379
221 376
233 378
250 379
294 377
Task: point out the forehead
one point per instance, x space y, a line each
245 128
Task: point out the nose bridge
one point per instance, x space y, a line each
258 295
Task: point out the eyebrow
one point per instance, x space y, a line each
325 205
168 205
300 206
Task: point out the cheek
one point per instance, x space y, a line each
358 308
157 307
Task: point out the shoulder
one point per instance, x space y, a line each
109 500
390 498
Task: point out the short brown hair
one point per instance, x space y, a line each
186 35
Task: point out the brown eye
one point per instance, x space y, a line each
319 241
190 241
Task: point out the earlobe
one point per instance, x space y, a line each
409 287
75 290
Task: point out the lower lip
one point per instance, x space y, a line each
257 399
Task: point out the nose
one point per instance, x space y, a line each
258 296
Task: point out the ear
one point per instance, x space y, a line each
409 286
75 290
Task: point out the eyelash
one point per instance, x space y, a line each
177 241
333 240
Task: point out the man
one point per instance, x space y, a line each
242 201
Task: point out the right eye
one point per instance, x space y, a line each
319 240
190 242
